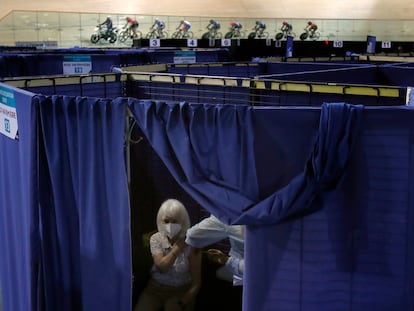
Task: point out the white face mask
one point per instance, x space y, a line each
172 229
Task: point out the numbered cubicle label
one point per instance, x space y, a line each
155 43
386 44
278 44
192 43
225 42
338 44
8 115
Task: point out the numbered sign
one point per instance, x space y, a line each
77 64
268 42
154 43
192 43
225 42
278 43
338 44
386 44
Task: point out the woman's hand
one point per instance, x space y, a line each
179 245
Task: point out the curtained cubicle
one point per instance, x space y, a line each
64 216
325 193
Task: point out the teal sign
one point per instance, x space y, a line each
77 64
8 115
184 57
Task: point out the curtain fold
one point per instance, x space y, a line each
209 149
326 166
84 205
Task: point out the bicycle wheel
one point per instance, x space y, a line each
206 35
252 35
176 35
123 36
138 35
188 35
279 36
304 36
150 35
229 35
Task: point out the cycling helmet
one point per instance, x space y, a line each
284 22
212 21
257 22
309 23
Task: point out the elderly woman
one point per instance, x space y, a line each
176 272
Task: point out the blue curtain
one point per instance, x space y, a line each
210 150
207 148
84 228
18 206
216 154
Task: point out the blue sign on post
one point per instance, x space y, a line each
371 42
289 46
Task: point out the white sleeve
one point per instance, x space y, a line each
236 265
209 231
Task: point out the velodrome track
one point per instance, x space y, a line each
320 9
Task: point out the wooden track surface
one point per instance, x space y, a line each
321 9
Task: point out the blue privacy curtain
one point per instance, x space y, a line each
85 258
18 205
211 151
207 149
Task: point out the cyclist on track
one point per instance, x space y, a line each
286 27
259 27
235 25
311 27
132 25
184 26
214 25
108 24
159 26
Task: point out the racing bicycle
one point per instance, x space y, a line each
284 34
311 35
127 33
258 34
182 34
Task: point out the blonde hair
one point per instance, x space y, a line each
173 208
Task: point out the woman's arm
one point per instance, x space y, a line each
165 262
195 270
